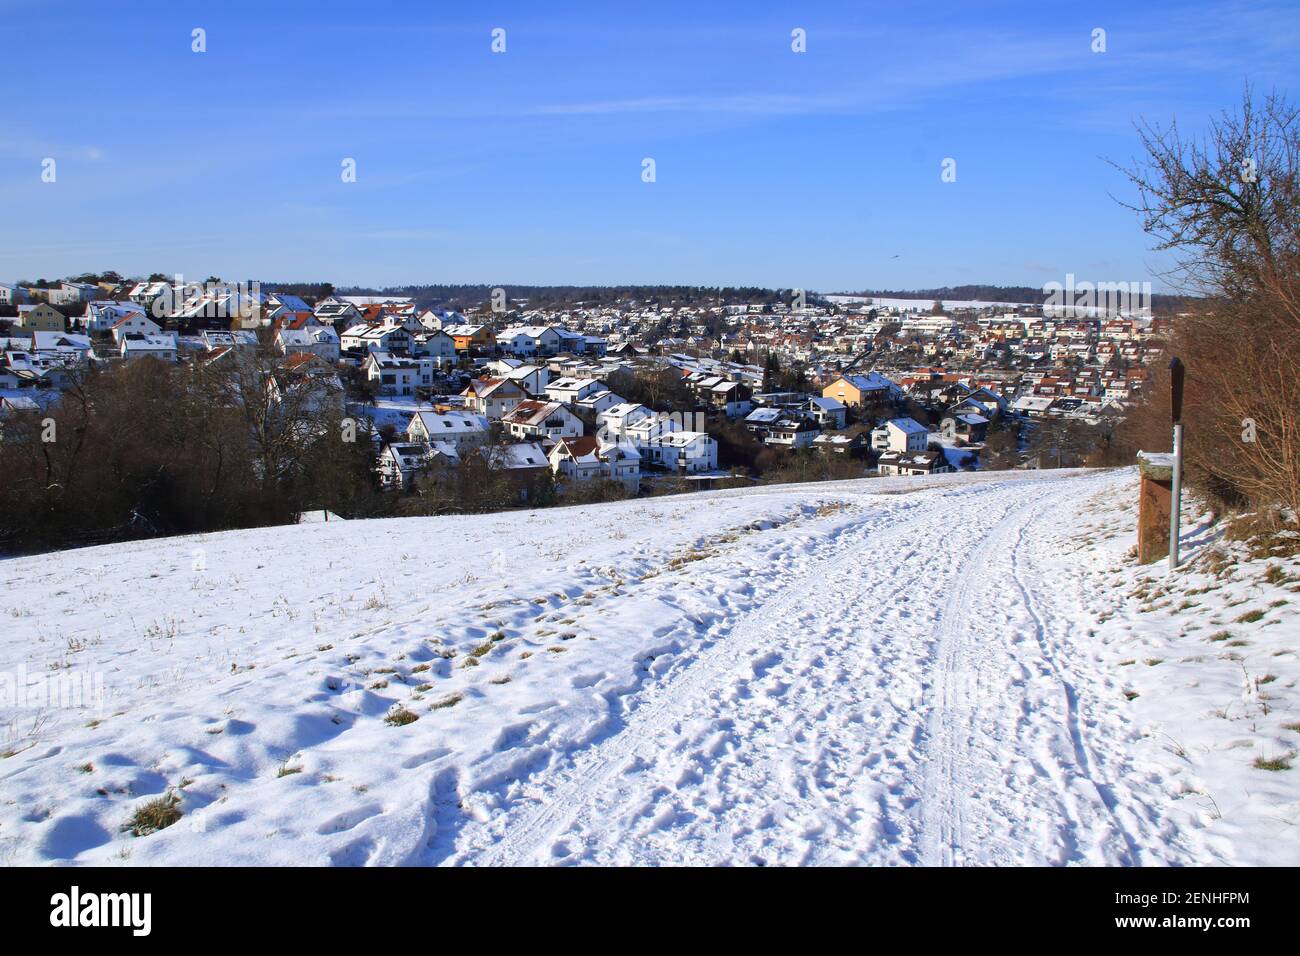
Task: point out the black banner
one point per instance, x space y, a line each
172 906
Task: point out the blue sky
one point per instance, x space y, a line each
818 170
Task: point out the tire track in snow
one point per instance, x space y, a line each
1074 728
943 823
568 803
670 702
979 708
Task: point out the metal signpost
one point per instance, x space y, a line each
1176 373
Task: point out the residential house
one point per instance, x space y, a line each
900 435
341 315
461 429
793 432
598 401
471 337
622 464
436 345
829 413
305 381
523 463
244 340
854 446
396 375
588 459
376 338
577 459
137 346
687 452
531 378
732 399
967 427
913 463
527 340
102 316
66 347
761 421
572 389
41 317
134 323
493 397
857 390
616 419
532 419
12 294
400 463
1035 406
319 340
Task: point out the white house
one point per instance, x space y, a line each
530 340
320 340
531 378
687 452
135 323
622 464
577 459
598 401
793 432
338 313
462 429
402 461
901 435
66 347
493 397
239 339
616 419
102 316
538 420
588 459
913 463
829 413
148 346
571 389
398 375
376 338
434 344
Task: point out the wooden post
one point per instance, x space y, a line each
1155 498
1177 372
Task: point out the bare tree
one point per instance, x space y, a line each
1228 205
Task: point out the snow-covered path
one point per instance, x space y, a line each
948 671
884 706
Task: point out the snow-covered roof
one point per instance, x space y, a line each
908 425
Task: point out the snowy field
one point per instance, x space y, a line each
958 670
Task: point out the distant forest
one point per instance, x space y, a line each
553 296
1160 304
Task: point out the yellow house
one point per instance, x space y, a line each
859 390
41 318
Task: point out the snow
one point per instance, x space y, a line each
945 670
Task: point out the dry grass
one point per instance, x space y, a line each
155 815
400 717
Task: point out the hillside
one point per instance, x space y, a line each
958 670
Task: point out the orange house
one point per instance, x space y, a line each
469 337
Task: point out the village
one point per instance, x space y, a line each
616 400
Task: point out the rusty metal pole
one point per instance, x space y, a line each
1176 372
